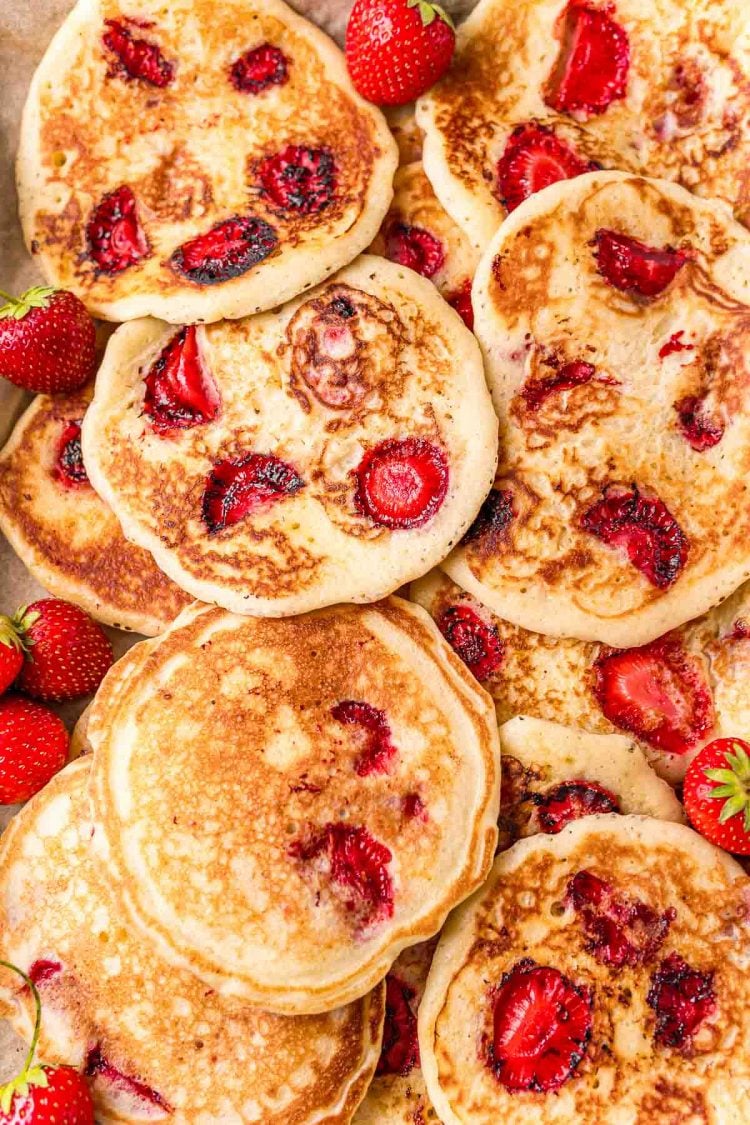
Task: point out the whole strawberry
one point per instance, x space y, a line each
11 653
33 747
67 652
47 341
397 49
716 794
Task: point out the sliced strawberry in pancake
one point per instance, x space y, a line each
298 178
699 429
570 800
575 374
460 300
44 970
633 267
620 930
474 640
116 240
682 998
69 468
592 69
227 250
642 527
259 69
400 1051
180 390
414 247
240 488
534 158
357 866
137 58
378 750
126 1091
401 483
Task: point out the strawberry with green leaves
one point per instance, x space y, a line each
11 653
717 794
47 341
66 652
397 49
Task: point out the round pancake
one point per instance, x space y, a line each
684 115
330 793
370 371
65 534
671 914
206 159
155 1043
672 696
614 317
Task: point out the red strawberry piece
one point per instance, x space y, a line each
592 69
657 692
633 267
682 998
400 1051
375 735
136 58
716 794
357 865
116 239
699 429
620 930
473 639
47 341
180 390
570 801
414 247
11 652
401 483
570 375
397 49
240 488
100 1070
642 527
298 179
534 158
674 344
259 69
227 250
495 517
33 747
460 300
68 653
541 1028
414 807
43 970
69 468
740 630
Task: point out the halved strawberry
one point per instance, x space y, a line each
239 488
541 1028
180 390
69 468
136 57
682 998
494 518
357 864
401 483
101 1071
534 158
700 430
474 640
400 1051
414 247
460 300
592 68
227 250
116 240
642 527
633 267
570 800
378 749
259 68
716 794
620 930
298 178
565 378
657 692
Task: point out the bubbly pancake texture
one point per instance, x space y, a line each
601 975
541 89
154 1042
330 792
65 534
614 317
197 159
329 451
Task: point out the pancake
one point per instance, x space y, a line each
601 975
406 133
614 317
353 459
673 696
419 234
155 1043
62 531
541 89
205 159
330 793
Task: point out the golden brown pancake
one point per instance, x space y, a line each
406 132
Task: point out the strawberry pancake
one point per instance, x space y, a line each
349 461
546 90
65 534
601 975
197 160
153 1043
614 316
330 793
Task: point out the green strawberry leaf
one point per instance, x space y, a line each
430 12
17 307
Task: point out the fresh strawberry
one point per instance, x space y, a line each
374 733
69 469
400 1051
414 247
67 652
700 429
570 800
575 374
298 179
116 240
716 794
534 158
180 390
240 488
682 998
227 250
633 267
592 69
397 49
401 483
460 300
620 930
258 69
644 529
47 341
11 653
476 641
356 864
33 747
135 57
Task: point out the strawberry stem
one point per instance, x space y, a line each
37 1019
37 297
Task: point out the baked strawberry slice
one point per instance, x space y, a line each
259 69
124 1089
534 158
69 468
473 639
400 1051
675 344
375 734
657 692
227 250
135 57
642 527
570 375
541 1028
401 483
460 300
700 430
239 488
414 247
633 267
570 801
357 866
180 390
116 240
298 179
592 68
620 930
681 998
44 970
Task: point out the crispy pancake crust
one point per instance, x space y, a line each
190 151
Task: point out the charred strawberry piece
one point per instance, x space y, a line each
674 344
299 179
69 469
44 970
414 807
699 429
240 488
620 930
541 1028
401 483
136 58
258 69
592 69
115 237
414 247
97 1066
357 864
227 250
495 517
180 391
633 267
570 375
570 801
477 643
682 999
376 734
400 1051
644 529
461 302
657 692
534 158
